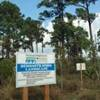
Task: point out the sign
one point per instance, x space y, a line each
80 66
35 69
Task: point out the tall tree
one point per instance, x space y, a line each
75 40
85 14
62 31
10 23
55 9
33 31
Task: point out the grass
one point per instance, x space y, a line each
7 90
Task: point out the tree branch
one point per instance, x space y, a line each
79 5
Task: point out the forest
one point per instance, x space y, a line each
71 44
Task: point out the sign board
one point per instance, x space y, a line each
35 69
80 66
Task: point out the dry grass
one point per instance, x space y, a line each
7 90
71 91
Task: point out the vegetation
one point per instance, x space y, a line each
72 44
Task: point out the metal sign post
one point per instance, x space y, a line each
81 76
80 67
25 93
46 92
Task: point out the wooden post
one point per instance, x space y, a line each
25 93
46 92
81 77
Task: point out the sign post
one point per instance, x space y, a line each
25 93
81 76
46 92
80 67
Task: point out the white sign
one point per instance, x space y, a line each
35 69
80 66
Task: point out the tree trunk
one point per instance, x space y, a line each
2 51
91 36
42 47
60 9
61 65
32 50
7 53
89 22
36 47
98 75
25 50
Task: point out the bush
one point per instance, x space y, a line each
7 67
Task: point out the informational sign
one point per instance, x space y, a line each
80 66
35 69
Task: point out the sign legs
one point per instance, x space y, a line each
46 92
81 78
25 93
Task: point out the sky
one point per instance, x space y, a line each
29 7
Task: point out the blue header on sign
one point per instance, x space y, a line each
35 67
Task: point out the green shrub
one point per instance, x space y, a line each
7 67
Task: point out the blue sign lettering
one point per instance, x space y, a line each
35 67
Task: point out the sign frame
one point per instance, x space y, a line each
48 72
